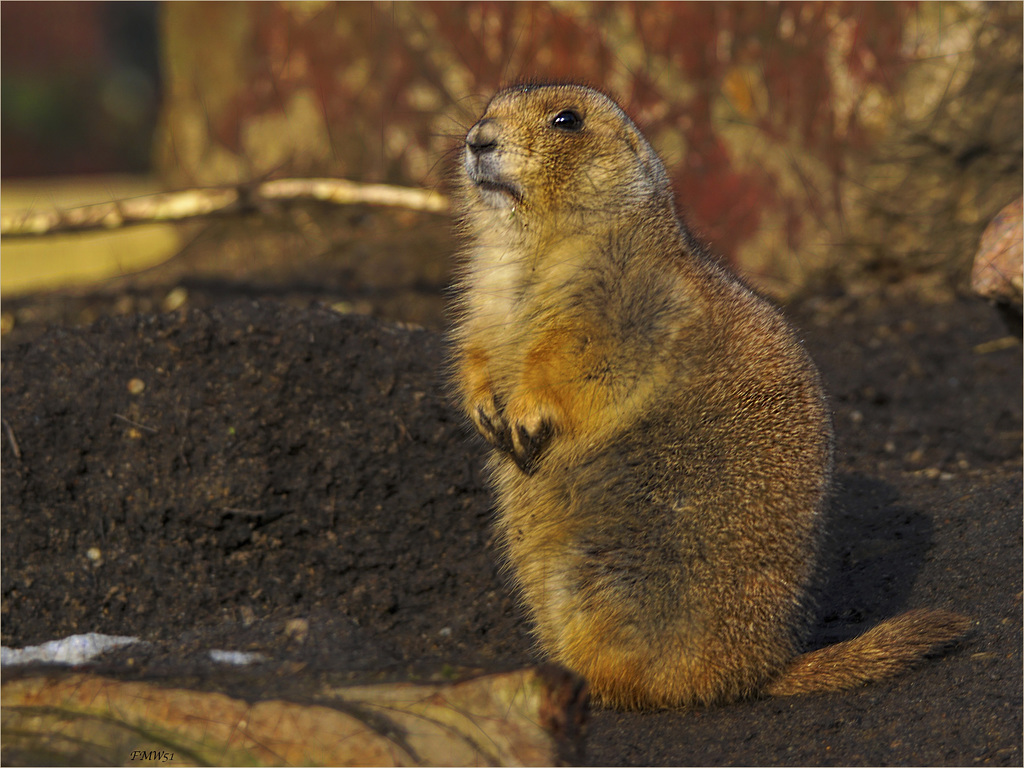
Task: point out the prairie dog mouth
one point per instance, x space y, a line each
484 170
495 191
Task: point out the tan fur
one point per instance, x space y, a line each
661 445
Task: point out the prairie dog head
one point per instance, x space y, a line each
544 153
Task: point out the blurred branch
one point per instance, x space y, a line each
215 201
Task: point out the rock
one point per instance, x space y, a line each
998 272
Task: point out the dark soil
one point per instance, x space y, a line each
285 461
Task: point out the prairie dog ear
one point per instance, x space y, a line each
636 143
654 169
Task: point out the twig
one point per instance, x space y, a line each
135 423
342 192
996 345
214 201
13 441
170 206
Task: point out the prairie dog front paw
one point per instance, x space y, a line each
530 434
489 422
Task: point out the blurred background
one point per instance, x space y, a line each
80 88
819 146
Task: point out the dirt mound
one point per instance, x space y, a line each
203 479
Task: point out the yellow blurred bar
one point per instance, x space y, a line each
60 261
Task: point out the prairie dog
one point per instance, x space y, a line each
661 444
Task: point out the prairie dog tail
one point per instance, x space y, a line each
881 652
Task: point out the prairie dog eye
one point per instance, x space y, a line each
568 120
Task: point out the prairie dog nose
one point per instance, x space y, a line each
482 137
